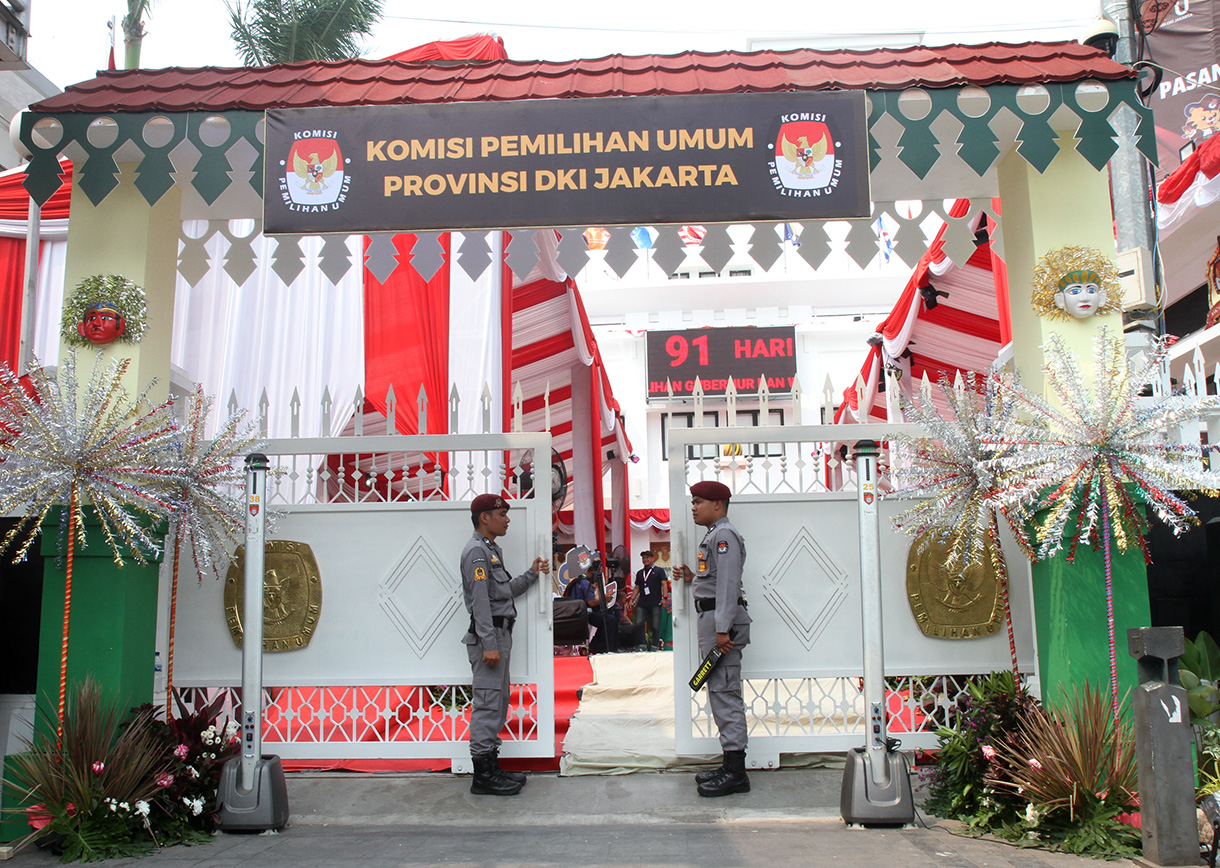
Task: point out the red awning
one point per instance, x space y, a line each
949 318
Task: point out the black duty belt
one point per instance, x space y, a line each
498 621
708 604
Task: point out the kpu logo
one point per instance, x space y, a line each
803 163
315 177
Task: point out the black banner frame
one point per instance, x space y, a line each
792 156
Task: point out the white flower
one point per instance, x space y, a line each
195 804
142 808
231 729
125 806
1032 815
192 771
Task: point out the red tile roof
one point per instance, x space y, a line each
388 82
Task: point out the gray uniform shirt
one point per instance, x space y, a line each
489 589
722 557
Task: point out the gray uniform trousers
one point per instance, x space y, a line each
491 694
724 694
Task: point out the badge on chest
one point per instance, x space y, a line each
702 562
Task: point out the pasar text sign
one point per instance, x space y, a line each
713 356
566 162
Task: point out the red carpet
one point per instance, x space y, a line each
571 674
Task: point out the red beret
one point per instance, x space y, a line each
485 502
709 490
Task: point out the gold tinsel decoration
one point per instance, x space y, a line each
1062 261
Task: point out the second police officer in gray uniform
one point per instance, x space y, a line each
723 621
489 589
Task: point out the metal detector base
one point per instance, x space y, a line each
264 806
863 802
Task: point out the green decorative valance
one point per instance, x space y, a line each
164 144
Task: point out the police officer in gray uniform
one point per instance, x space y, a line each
489 590
723 621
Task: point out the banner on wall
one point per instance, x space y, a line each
566 162
1186 103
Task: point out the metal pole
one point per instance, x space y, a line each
25 353
1129 180
252 622
865 456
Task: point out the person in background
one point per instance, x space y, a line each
648 595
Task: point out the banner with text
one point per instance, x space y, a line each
713 356
566 162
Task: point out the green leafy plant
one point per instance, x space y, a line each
1073 770
986 714
1199 673
92 786
119 785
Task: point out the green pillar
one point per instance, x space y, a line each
1070 619
113 628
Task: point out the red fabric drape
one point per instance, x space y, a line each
406 341
15 205
481 46
12 272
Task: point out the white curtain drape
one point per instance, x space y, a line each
263 334
475 345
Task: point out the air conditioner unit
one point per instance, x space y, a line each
1138 281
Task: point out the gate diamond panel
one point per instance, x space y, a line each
417 580
806 587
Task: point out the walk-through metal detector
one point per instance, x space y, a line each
876 786
253 795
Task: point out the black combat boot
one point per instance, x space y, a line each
488 781
710 774
515 777
732 780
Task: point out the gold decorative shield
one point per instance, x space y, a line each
953 605
292 595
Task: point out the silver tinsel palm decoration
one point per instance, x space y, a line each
63 446
953 468
1097 454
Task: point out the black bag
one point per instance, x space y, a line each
570 620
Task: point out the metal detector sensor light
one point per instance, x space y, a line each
876 786
253 794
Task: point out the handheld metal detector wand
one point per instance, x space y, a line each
252 620
865 455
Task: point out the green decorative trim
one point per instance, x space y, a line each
918 148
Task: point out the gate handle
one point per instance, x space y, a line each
544 595
678 589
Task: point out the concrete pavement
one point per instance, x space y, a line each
652 818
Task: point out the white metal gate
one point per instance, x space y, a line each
384 675
795 504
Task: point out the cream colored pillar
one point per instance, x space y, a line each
1069 203
125 235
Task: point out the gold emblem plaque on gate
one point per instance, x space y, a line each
953 605
292 595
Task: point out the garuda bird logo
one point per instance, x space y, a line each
314 171
804 156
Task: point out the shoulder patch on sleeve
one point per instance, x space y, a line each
722 546
479 574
